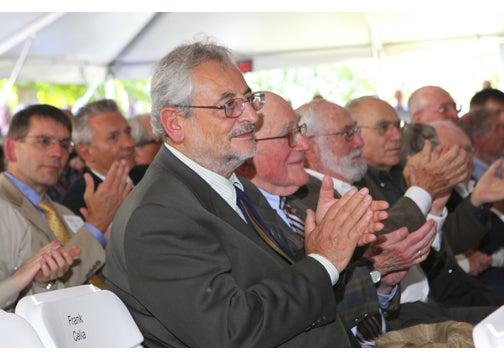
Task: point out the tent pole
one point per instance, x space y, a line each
15 72
30 30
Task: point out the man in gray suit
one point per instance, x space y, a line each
194 266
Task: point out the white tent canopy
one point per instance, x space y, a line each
88 47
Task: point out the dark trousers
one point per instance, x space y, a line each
415 313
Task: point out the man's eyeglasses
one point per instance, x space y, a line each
47 142
292 136
348 132
385 126
234 108
443 109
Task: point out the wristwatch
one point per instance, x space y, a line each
375 276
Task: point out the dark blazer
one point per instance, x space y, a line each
448 283
471 220
355 292
193 273
74 198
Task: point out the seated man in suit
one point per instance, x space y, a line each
102 137
439 278
37 148
335 149
491 187
278 171
189 254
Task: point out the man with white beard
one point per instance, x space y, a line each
336 149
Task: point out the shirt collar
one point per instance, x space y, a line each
340 186
34 197
479 167
224 187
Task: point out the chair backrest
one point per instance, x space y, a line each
80 316
15 332
489 333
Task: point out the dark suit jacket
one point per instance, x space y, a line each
355 292
448 283
193 273
74 198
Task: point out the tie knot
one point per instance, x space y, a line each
45 206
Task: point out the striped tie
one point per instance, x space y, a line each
63 236
295 222
255 220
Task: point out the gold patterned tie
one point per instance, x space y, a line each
54 221
63 236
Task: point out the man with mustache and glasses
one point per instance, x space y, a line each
37 148
195 262
102 137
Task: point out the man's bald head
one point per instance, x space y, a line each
432 103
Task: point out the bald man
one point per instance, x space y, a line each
432 103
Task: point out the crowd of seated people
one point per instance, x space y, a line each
329 225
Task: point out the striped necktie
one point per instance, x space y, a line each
63 236
255 220
295 222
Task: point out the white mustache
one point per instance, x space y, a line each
242 130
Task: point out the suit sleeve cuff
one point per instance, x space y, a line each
463 262
420 197
96 233
330 268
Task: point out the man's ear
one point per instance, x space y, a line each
83 151
170 119
10 149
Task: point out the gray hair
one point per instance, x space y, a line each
82 133
171 83
311 117
415 135
138 131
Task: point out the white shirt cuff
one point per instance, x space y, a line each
330 268
436 244
462 262
421 197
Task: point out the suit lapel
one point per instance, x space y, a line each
25 207
208 197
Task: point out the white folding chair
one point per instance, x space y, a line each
15 332
489 333
80 316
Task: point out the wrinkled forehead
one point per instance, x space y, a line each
438 97
215 82
335 117
378 112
